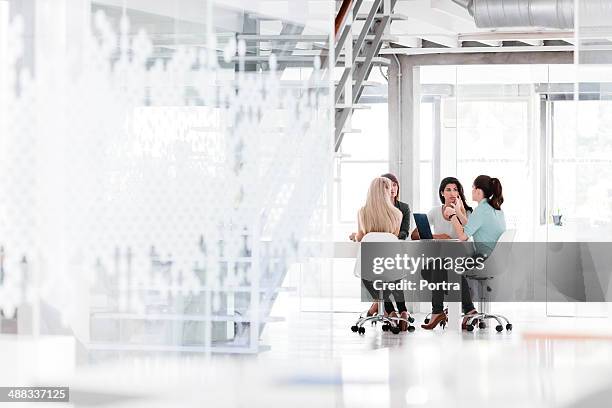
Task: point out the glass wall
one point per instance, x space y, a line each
483 120
542 132
588 148
164 167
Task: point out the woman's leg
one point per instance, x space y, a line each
389 307
374 293
402 311
401 307
437 296
398 296
466 302
466 297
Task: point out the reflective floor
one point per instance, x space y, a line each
315 360
545 361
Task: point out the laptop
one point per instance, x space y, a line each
422 224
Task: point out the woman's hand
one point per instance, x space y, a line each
460 211
458 205
449 211
352 236
441 236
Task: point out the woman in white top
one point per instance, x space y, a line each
452 196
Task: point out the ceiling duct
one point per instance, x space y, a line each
534 13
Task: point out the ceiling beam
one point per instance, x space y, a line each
474 50
522 36
414 27
412 42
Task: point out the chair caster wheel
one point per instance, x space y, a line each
385 327
499 328
470 328
410 329
509 327
426 321
411 319
482 325
395 330
354 329
361 330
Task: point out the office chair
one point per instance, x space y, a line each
388 323
495 265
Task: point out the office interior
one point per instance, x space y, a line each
179 180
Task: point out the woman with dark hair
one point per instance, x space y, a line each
486 224
403 207
451 195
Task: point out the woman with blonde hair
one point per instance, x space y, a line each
380 215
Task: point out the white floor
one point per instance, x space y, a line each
543 362
316 361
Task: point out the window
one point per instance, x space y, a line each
363 156
581 164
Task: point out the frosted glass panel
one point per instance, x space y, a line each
159 173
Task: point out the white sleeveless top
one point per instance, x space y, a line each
439 224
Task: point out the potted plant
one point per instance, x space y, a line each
557 218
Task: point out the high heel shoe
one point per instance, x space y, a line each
403 324
372 310
440 319
466 317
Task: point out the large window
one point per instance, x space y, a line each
581 161
481 120
429 139
364 154
493 139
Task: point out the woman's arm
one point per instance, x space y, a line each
458 228
360 233
460 211
404 230
451 214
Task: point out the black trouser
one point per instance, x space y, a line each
398 296
433 275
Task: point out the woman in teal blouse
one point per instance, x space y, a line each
486 224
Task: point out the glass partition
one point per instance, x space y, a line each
165 166
483 120
543 130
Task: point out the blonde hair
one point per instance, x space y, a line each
379 214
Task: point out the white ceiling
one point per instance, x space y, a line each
425 23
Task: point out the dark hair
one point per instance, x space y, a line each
452 180
392 177
492 189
